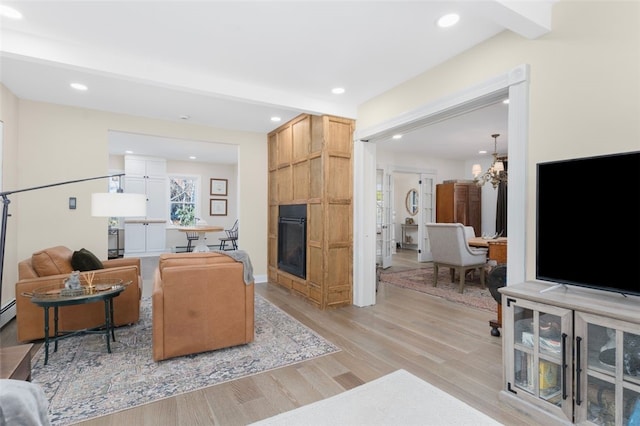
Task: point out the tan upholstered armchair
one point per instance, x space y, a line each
450 249
201 302
52 266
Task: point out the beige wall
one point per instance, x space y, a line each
59 143
584 91
9 118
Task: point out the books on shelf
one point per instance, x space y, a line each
547 344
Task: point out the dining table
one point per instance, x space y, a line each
484 242
201 230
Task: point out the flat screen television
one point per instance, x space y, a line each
588 222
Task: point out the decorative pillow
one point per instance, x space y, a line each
84 260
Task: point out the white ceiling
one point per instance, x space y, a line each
235 64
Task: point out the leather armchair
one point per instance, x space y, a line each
450 249
201 302
53 266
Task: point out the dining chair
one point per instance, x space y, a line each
450 249
191 236
232 238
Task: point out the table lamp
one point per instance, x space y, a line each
118 204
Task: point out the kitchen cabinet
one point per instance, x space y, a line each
144 236
147 175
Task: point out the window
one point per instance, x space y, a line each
183 199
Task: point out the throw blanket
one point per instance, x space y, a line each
240 256
22 403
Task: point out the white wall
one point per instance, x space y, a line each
207 171
584 87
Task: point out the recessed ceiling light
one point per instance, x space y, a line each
337 90
276 119
192 157
482 151
79 86
9 12
506 101
448 20
128 151
397 136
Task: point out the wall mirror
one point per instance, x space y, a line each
412 201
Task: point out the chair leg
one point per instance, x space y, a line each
482 277
189 248
462 276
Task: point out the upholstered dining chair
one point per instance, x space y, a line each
450 249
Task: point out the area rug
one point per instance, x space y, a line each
82 380
421 279
399 398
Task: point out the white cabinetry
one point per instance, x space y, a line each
147 175
145 237
572 354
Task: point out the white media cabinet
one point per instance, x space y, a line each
571 354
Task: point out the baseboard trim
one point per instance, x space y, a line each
7 313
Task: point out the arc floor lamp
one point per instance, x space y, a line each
118 204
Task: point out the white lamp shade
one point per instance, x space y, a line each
118 204
498 166
476 170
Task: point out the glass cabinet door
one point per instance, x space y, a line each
608 362
541 363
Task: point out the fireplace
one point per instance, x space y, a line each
292 239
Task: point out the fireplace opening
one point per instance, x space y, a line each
292 239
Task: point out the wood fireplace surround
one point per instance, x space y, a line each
311 162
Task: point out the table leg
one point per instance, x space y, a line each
55 328
113 326
46 335
202 247
107 324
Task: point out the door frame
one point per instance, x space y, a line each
515 83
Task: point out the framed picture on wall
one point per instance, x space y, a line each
218 186
217 207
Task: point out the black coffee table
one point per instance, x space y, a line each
54 296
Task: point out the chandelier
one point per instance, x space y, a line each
496 173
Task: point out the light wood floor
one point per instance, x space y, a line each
446 344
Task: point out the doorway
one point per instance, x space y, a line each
412 207
515 85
